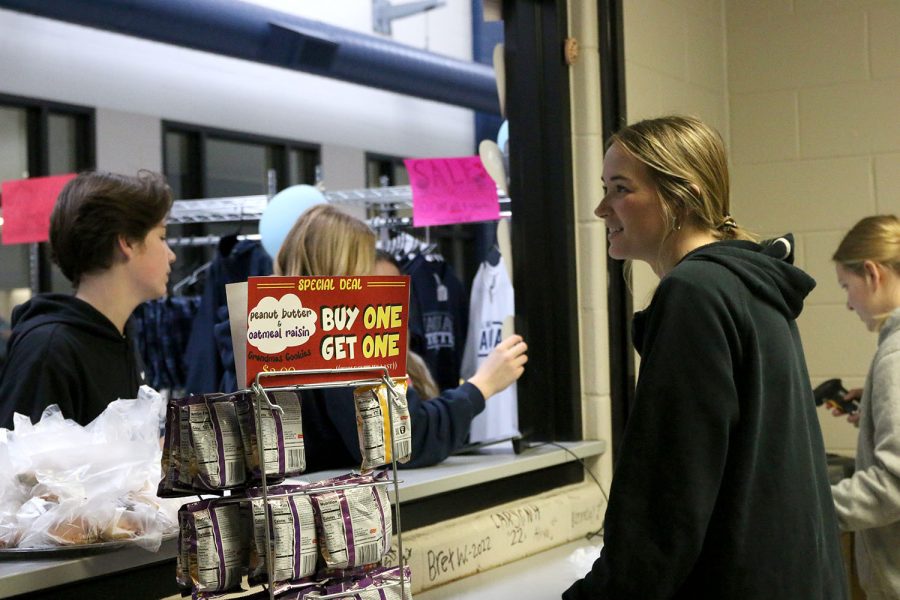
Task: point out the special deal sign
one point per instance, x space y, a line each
301 323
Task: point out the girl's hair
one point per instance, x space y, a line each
419 375
874 238
95 209
385 256
326 242
688 164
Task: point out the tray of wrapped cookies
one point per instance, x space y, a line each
53 531
70 490
75 551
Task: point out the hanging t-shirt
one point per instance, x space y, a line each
492 301
438 317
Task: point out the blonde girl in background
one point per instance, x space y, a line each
867 262
328 242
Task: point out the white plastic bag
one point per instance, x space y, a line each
62 483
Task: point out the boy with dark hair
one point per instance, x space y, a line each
108 236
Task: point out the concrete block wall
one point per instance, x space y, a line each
675 57
804 92
815 146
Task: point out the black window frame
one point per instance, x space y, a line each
38 113
543 228
202 133
196 187
620 304
543 224
544 253
387 163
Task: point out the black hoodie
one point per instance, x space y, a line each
64 351
720 487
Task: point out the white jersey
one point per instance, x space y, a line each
491 302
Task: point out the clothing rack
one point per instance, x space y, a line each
251 208
217 210
191 279
206 240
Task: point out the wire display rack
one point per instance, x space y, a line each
260 392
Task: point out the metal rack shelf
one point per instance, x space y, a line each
251 208
262 397
217 210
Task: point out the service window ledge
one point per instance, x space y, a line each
29 576
491 464
426 488
485 465
469 483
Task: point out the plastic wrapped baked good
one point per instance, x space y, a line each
292 530
378 434
282 433
354 524
63 484
212 544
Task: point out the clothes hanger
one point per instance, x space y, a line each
228 241
493 255
190 280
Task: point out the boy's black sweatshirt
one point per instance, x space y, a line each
64 351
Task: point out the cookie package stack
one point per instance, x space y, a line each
327 537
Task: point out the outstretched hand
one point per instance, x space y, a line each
504 365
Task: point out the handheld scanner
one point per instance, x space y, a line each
831 393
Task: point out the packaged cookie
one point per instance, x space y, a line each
282 435
172 483
376 405
355 523
383 583
202 446
212 547
292 534
211 440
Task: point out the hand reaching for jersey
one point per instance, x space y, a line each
503 366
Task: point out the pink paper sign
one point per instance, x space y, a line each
27 204
451 190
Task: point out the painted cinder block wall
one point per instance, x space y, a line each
805 95
815 140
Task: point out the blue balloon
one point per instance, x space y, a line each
282 212
503 138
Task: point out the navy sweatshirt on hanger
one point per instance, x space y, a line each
205 367
438 319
